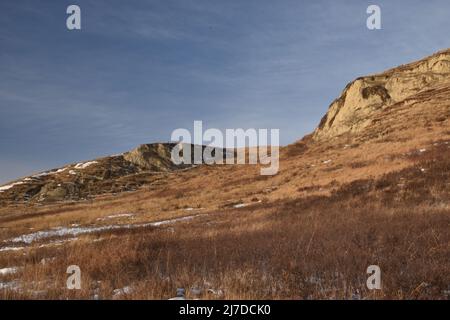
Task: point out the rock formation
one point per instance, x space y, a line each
368 96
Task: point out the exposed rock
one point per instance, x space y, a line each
145 164
368 96
112 174
155 156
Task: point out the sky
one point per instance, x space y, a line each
137 70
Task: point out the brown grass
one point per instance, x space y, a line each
315 247
335 207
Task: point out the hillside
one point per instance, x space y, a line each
145 165
368 97
371 185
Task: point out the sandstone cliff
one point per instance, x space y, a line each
368 96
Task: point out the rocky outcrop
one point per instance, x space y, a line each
113 174
144 165
156 156
368 96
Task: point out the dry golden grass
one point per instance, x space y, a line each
317 246
335 207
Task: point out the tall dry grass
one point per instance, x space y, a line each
306 248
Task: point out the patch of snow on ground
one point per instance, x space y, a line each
50 244
242 205
170 221
75 231
72 172
6 271
327 161
9 186
84 165
11 249
115 216
124 290
218 292
57 243
11 285
46 173
43 174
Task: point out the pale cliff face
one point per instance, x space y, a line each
370 95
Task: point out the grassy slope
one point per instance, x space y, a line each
382 199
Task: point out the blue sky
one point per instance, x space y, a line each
140 69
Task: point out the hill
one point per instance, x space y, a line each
370 186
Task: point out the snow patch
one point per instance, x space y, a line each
115 216
9 186
124 290
50 244
193 209
6 271
84 165
11 249
42 174
242 205
75 231
170 221
11 285
61 232
47 173
57 243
